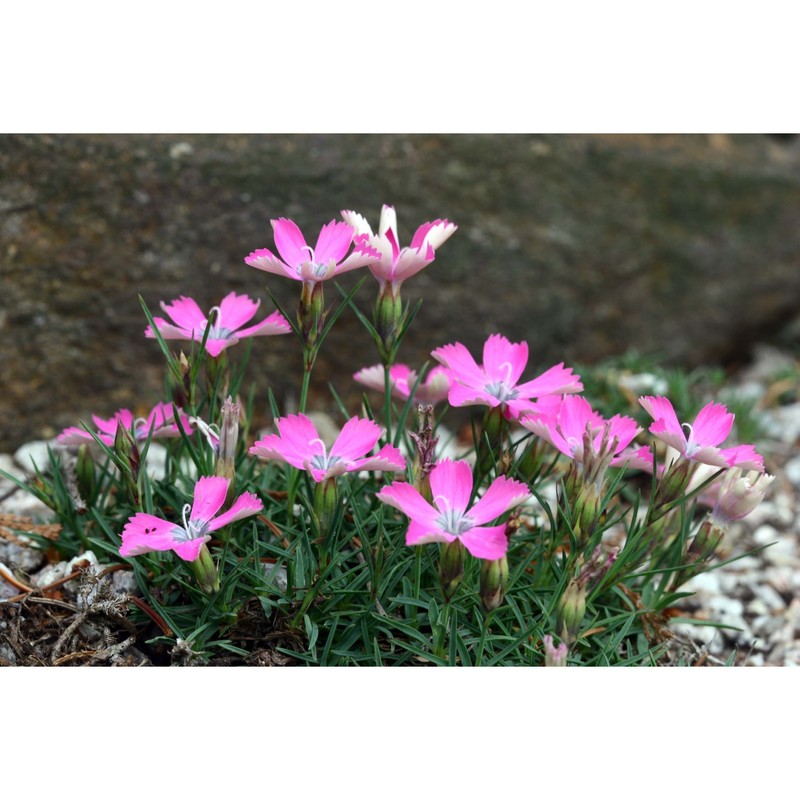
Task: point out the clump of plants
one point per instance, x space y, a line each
557 536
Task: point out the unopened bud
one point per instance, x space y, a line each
674 482
738 495
425 443
205 570
85 475
127 450
451 567
228 438
554 656
325 504
494 582
706 542
311 312
571 611
388 319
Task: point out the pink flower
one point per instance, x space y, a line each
432 390
298 443
312 265
711 426
394 265
161 420
145 533
566 426
450 517
189 322
738 494
496 382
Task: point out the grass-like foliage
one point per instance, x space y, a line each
559 522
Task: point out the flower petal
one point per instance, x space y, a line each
235 310
418 533
144 533
263 259
556 380
185 313
744 456
357 438
209 495
461 364
489 543
503 360
357 222
407 499
190 549
333 242
290 242
274 325
712 425
503 494
245 505
387 459
451 485
667 426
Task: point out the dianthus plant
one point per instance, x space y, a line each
561 532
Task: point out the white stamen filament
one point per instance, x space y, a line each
186 509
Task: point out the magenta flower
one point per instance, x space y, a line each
496 382
161 420
566 426
394 265
699 442
432 390
450 517
189 322
298 443
312 265
145 533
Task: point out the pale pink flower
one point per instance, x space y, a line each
738 494
496 381
301 262
145 533
189 322
433 389
565 429
161 420
393 264
298 443
450 517
698 442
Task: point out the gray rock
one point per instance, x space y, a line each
181 213
34 455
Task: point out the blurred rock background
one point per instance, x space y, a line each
586 246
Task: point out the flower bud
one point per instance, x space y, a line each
451 567
228 438
739 495
388 320
127 451
325 504
673 482
554 656
311 313
205 570
425 443
494 582
571 611
705 543
85 475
